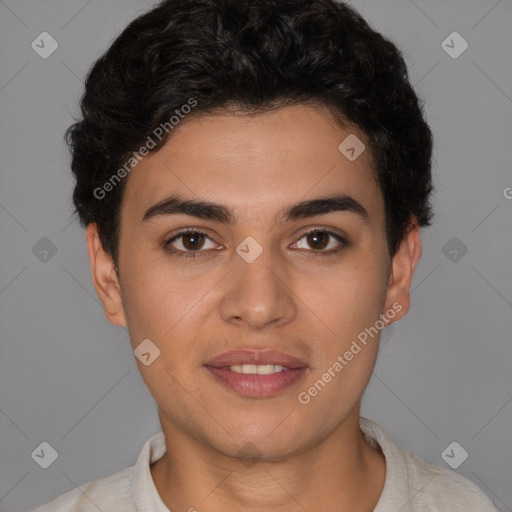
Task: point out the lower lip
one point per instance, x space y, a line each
257 386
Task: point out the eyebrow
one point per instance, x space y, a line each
175 205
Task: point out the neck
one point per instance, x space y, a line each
343 470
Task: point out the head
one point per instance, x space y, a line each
246 104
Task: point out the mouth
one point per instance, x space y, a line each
256 373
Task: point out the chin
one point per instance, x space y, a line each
266 442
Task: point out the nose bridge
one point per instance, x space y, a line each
258 292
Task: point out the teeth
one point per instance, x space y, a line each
260 369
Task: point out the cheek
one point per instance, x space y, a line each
351 298
164 303
349 304
153 297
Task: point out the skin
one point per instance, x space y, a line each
313 456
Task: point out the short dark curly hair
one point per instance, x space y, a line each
254 55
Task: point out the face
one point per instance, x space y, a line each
256 281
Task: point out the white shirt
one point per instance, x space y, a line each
411 484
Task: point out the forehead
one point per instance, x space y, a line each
256 164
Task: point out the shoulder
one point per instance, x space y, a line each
111 493
433 487
414 485
129 490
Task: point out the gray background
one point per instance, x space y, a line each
68 377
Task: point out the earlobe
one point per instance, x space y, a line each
104 277
403 265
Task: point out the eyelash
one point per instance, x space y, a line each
195 254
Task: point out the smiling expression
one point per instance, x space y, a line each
252 253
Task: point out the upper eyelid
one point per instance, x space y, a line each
186 232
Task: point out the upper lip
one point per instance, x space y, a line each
256 357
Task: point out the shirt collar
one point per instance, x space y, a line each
145 494
396 480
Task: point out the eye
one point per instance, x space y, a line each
193 240
318 239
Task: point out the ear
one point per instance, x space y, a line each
105 278
402 269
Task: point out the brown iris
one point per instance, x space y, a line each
315 239
196 239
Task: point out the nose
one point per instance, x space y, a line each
259 294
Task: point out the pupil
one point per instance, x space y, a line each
315 236
196 239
